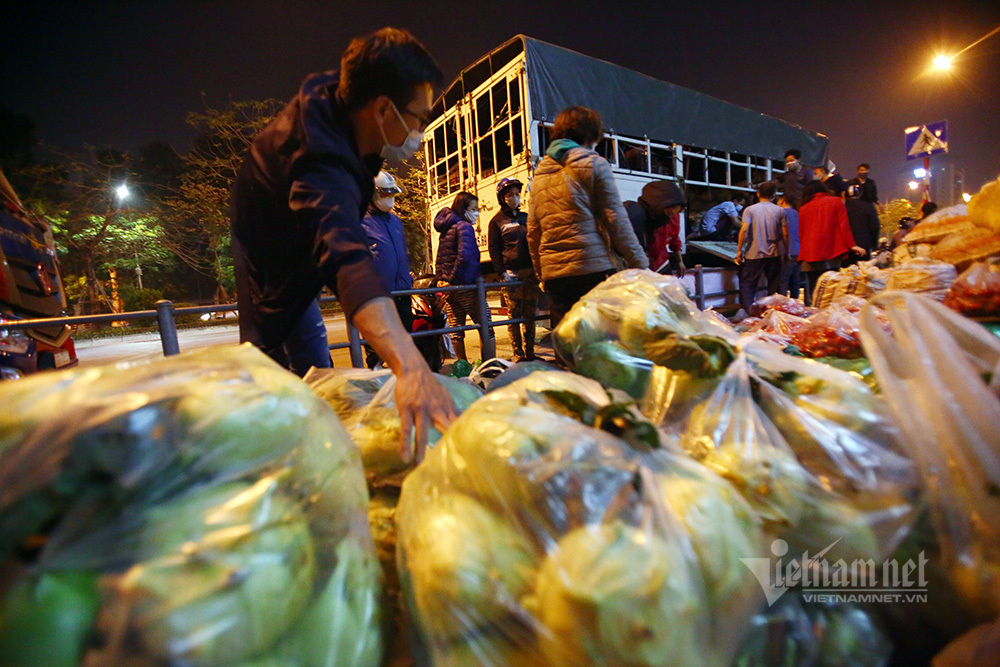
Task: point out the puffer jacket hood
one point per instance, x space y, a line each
658 195
446 219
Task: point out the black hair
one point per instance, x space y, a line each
461 203
794 152
928 208
865 165
767 189
578 124
388 62
812 189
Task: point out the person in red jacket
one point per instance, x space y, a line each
825 238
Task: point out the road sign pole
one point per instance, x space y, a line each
927 179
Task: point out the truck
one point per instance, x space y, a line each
30 288
493 121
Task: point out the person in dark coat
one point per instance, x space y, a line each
387 243
296 217
863 217
457 263
508 245
794 179
655 219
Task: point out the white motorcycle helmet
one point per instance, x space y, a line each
483 374
386 190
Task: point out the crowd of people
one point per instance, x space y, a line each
312 207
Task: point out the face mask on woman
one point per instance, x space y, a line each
472 216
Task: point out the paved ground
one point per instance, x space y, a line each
136 347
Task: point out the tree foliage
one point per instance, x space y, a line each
196 214
411 207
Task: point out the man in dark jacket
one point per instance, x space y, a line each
297 208
863 217
508 245
655 219
792 182
387 243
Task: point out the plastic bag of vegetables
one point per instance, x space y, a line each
796 633
940 373
550 526
346 390
375 429
204 509
810 449
639 332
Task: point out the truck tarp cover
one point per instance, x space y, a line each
634 104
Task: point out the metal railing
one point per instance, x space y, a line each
165 315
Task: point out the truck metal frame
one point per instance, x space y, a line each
494 120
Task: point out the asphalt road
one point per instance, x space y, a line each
143 346
127 348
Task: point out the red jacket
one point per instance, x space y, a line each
666 239
824 231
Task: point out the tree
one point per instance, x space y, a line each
196 215
411 207
101 237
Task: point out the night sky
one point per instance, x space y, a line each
126 73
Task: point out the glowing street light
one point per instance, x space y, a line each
919 172
942 63
914 185
966 196
122 191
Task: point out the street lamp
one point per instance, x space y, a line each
966 196
942 63
914 185
122 191
919 172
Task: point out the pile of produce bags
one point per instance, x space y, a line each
549 526
205 510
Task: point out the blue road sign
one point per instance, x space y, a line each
926 140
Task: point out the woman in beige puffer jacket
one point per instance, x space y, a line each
577 226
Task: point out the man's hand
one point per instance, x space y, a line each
420 400
859 251
739 258
680 270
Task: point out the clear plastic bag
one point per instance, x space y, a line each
796 633
779 302
810 449
778 327
639 332
940 373
550 526
375 428
832 332
346 390
204 509
976 293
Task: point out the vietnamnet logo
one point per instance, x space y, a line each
820 580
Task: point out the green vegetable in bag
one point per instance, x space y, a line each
225 571
45 620
615 595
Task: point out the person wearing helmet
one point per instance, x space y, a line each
656 222
387 243
508 245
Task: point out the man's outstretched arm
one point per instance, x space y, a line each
420 399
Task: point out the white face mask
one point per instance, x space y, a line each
794 165
513 201
472 216
396 154
384 204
